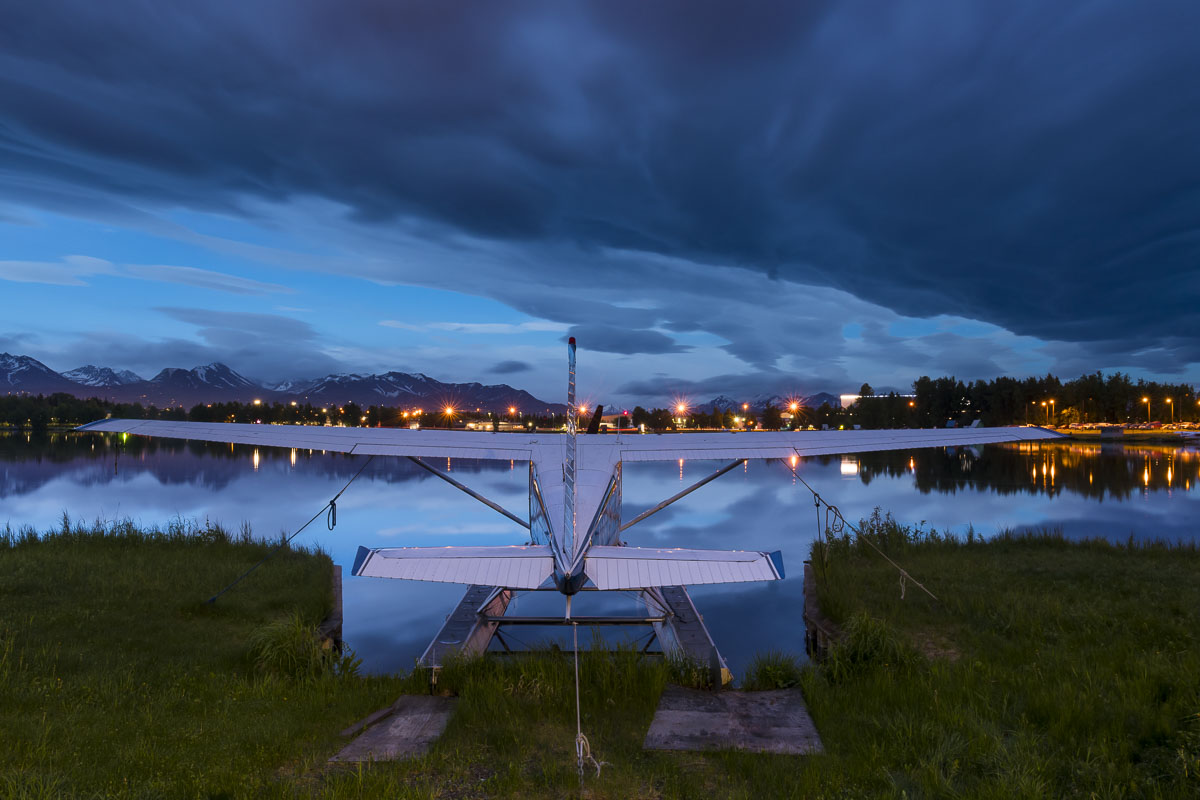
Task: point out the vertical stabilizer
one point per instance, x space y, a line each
568 543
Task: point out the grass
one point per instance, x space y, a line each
1047 669
117 679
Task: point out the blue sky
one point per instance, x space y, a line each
777 199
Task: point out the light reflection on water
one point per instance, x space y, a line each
1082 489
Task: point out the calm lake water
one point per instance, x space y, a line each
1082 489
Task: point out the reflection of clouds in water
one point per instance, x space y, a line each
759 506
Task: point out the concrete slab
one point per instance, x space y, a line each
759 722
415 723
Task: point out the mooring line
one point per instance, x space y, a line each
840 520
331 521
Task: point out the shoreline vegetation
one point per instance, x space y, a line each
1047 668
934 403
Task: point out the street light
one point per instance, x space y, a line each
1171 405
1047 411
1146 400
1052 410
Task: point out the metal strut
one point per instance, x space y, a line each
472 492
682 494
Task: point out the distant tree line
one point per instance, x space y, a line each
935 403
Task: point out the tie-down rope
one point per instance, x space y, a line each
839 522
330 522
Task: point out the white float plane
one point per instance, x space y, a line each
574 521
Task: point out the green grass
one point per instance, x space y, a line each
117 679
1047 669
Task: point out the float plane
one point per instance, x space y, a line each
575 523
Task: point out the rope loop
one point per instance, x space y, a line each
331 517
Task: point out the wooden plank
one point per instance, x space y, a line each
684 632
759 722
330 629
414 725
466 631
820 633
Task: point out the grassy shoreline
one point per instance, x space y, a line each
1048 668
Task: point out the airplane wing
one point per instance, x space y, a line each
515 567
548 447
732 446
641 567
356 441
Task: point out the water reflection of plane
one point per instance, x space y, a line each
575 522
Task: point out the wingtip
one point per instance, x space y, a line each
777 562
359 558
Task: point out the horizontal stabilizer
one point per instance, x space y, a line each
642 568
516 567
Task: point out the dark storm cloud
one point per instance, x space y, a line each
510 368
608 339
1028 164
264 346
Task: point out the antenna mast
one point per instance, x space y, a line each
569 463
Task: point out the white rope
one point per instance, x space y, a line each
583 748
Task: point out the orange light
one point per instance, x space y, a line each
745 406
512 409
794 407
583 409
681 409
448 411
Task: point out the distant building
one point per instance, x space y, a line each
848 400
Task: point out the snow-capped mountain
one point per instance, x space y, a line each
25 374
404 390
212 383
102 376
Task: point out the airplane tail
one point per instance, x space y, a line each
515 567
642 568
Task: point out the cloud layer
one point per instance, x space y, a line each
1030 166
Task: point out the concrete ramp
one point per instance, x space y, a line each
757 722
412 726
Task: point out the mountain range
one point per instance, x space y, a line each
216 383
761 401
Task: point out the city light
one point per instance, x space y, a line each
257 402
793 407
681 408
512 409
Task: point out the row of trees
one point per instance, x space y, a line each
1114 398
935 402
